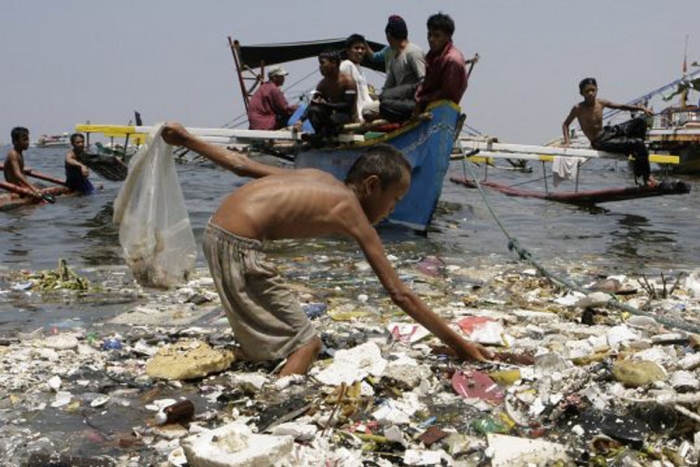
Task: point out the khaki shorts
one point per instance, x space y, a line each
266 317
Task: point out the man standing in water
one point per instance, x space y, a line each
77 173
14 162
625 138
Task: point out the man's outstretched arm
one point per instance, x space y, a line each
235 161
409 302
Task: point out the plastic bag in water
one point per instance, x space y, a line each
154 228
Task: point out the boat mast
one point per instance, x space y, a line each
242 69
684 94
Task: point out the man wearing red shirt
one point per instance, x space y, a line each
268 109
445 75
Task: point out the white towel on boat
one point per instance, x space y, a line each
565 168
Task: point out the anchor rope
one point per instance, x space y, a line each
525 255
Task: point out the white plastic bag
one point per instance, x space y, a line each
154 228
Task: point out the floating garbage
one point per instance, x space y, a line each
620 389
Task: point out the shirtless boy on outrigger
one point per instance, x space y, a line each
625 138
266 318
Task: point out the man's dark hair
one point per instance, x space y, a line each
442 22
396 28
585 82
331 55
18 132
354 39
75 136
382 160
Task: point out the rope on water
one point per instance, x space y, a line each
526 255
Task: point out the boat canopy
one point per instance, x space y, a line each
254 56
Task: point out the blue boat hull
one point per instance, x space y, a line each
426 144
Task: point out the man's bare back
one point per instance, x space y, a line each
301 204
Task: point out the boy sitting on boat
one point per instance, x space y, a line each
265 316
625 138
77 173
333 104
14 161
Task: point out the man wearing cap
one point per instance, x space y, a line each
405 68
268 109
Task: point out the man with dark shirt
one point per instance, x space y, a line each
268 108
445 75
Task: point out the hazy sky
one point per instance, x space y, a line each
65 62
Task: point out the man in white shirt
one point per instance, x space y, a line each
356 48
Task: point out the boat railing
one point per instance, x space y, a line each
676 118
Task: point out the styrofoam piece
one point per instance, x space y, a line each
234 445
353 365
511 451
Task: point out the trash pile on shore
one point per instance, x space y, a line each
576 382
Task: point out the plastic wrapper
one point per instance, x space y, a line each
154 228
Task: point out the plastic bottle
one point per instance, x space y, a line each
181 411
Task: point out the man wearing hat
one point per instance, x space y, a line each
405 67
268 109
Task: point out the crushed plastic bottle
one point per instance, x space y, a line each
111 344
179 412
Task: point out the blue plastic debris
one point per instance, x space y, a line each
111 344
314 310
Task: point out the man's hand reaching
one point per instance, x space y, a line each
474 351
175 134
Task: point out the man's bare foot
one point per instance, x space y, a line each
300 360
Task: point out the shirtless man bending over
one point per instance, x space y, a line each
266 318
625 138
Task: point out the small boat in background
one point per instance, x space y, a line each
53 141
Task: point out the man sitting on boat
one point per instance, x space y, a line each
445 75
405 68
625 138
14 161
356 48
77 173
268 108
333 104
284 204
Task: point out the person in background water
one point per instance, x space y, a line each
266 317
268 108
76 173
445 75
14 161
625 138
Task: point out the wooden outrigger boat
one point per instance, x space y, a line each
426 141
20 196
482 151
676 129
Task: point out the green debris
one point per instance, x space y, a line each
63 277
